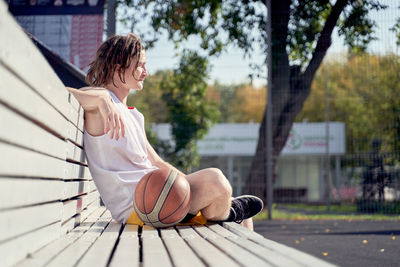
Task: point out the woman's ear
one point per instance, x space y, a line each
120 74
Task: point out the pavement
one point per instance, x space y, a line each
344 243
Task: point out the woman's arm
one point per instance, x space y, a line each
157 161
101 115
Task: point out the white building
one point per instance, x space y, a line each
301 166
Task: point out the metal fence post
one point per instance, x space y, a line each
268 117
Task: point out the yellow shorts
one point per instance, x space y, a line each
198 219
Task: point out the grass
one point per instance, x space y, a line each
346 208
278 214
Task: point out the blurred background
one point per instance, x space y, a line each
334 94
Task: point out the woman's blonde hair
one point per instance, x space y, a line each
117 51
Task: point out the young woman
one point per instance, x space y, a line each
118 152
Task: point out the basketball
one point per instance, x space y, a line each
162 198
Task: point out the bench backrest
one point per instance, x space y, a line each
45 185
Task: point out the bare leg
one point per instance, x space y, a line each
248 223
211 194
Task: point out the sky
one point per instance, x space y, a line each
231 68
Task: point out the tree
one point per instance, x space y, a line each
252 103
237 103
396 30
178 97
149 100
301 36
190 116
363 92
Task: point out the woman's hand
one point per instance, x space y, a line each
111 117
101 115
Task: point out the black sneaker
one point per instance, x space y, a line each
245 207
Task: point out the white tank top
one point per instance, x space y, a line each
117 166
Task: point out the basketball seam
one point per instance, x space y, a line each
156 215
169 191
162 205
144 196
180 205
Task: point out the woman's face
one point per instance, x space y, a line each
136 80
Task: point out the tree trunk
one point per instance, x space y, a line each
290 89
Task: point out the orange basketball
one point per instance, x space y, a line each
162 198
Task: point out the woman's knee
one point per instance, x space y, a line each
219 182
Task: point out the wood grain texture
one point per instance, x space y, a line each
240 255
28 103
24 191
17 222
72 207
26 163
77 219
268 255
100 252
74 188
127 251
154 252
181 254
72 254
205 250
20 247
291 253
51 250
22 131
21 56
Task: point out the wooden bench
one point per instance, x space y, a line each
50 212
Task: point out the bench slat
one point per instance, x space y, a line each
207 252
74 152
77 171
71 255
17 192
268 255
18 96
22 192
81 121
74 206
22 131
72 188
294 254
40 128
74 103
51 250
18 248
27 163
100 252
181 254
17 222
127 251
154 252
240 255
77 135
21 55
74 221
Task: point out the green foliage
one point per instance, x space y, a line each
178 97
306 22
357 27
183 92
149 100
280 212
240 103
363 93
396 30
217 23
243 23
226 100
